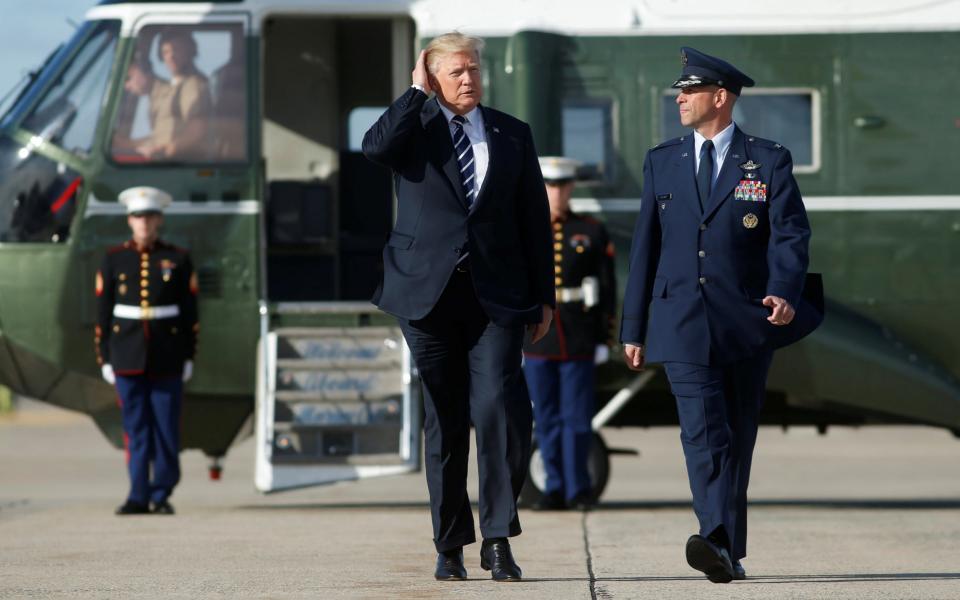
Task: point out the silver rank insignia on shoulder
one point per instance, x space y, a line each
750 220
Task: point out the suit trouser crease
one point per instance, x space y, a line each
563 405
470 370
719 411
151 420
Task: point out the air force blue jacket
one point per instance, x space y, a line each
697 279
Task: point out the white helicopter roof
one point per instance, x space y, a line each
599 17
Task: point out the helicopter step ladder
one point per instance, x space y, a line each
334 404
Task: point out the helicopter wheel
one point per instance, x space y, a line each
598 466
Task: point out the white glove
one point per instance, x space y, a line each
106 371
601 354
187 370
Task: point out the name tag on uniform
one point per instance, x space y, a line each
749 190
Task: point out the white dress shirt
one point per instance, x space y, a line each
478 140
721 144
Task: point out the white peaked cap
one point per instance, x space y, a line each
558 168
145 199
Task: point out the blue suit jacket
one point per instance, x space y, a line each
697 279
506 231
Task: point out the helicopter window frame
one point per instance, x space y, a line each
53 88
815 121
592 174
216 22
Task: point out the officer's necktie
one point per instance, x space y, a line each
705 173
464 150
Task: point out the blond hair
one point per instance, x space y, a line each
451 43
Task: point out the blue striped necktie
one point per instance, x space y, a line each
464 149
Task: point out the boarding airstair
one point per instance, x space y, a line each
334 403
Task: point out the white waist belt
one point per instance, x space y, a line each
145 313
569 294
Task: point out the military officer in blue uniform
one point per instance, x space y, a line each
560 368
716 283
146 337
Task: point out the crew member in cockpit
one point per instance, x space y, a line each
180 109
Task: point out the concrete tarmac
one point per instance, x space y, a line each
858 513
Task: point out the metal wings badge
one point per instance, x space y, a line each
749 169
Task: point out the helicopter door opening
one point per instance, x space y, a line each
329 210
335 398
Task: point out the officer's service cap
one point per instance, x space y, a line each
703 69
558 169
143 200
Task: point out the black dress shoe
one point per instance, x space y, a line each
551 501
495 556
132 508
582 502
704 555
739 573
450 566
162 508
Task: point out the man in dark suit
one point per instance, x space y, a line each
717 273
466 268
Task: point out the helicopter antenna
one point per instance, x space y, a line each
72 23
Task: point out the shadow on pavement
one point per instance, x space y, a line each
832 503
851 577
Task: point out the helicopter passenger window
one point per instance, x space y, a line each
185 96
787 116
588 137
67 114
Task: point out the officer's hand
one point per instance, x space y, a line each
783 313
106 371
633 356
420 75
601 354
540 329
187 370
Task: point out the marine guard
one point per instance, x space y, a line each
146 338
560 369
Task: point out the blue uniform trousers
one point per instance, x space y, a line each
719 409
563 404
151 425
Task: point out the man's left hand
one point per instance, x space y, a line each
783 313
540 329
187 370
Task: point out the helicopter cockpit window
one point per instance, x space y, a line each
66 115
185 97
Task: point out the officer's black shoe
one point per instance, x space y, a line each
450 566
162 508
582 502
739 573
551 501
714 560
496 557
132 508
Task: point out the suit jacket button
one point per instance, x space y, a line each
703 226
702 254
703 281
